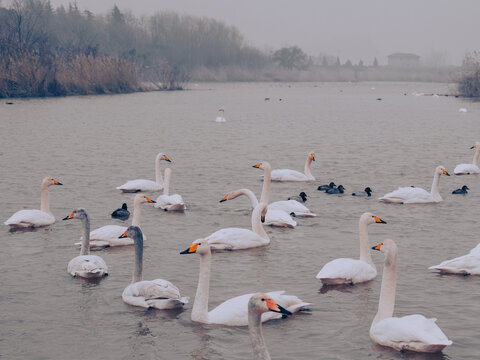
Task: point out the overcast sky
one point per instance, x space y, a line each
351 29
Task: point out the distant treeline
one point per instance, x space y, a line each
51 52
63 51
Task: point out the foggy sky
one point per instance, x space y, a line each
442 30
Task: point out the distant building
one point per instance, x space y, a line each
403 60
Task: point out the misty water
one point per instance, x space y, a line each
364 134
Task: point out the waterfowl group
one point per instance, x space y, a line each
413 332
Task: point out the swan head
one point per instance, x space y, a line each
197 247
77 213
476 145
49 181
388 248
441 170
263 211
142 198
368 218
263 165
261 303
162 156
133 232
311 155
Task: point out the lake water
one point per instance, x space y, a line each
94 143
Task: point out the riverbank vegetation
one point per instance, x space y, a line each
469 82
65 51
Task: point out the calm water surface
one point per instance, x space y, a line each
93 144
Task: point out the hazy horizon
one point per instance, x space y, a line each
440 31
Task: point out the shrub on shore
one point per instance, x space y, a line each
469 82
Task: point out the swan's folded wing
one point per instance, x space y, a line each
466 169
30 218
467 264
353 270
403 194
278 217
412 328
290 206
140 184
475 251
107 232
87 264
234 238
287 175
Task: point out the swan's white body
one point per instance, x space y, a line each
35 218
272 217
258 305
108 235
463 265
293 175
85 265
147 185
467 169
352 271
414 195
238 238
412 332
221 116
158 293
233 312
287 206
169 202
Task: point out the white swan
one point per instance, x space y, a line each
147 185
412 332
293 175
272 217
35 218
412 195
169 202
352 271
233 312
467 169
238 238
221 116
158 293
288 206
108 235
257 305
464 265
85 265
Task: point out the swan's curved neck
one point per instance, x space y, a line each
137 209
386 304
364 248
436 180
138 269
260 351
306 169
85 249
158 171
166 182
200 304
476 156
257 226
248 193
267 179
44 205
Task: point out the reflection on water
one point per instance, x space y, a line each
95 143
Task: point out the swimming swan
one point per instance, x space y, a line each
35 218
108 235
147 185
288 206
412 195
467 169
233 312
463 265
353 271
169 202
293 175
238 238
85 265
257 305
273 217
412 332
158 293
